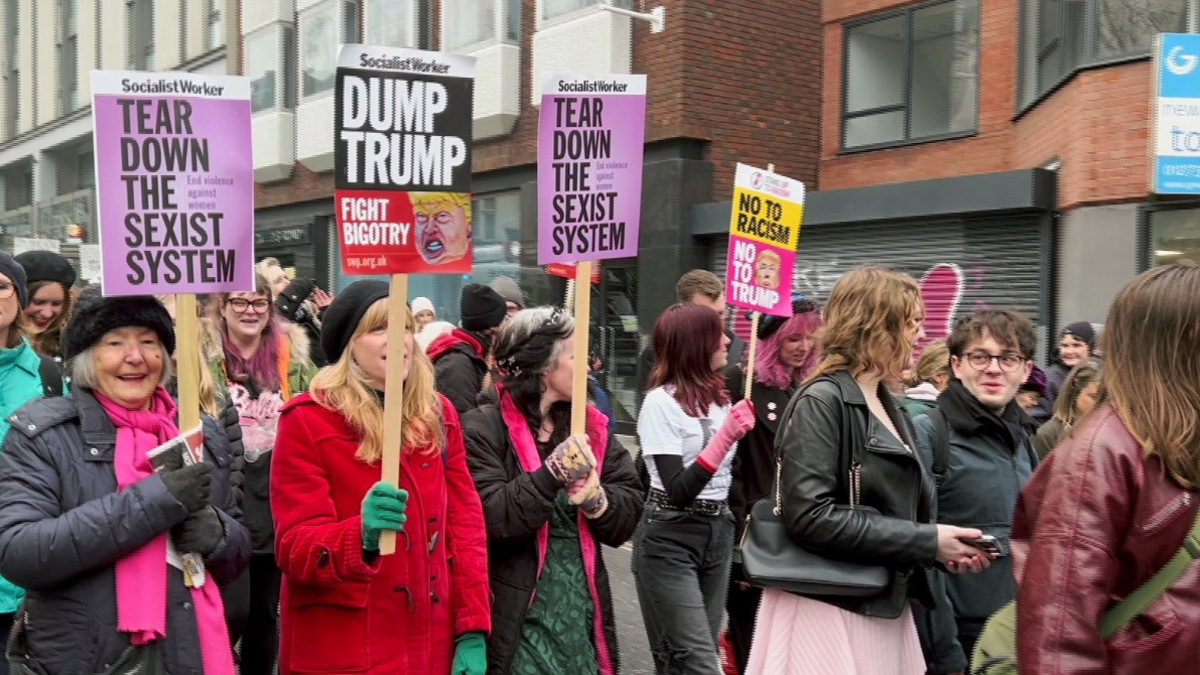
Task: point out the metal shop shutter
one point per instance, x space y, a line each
998 260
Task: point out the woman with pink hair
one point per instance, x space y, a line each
786 353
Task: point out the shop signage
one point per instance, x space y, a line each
402 160
286 235
763 233
174 182
567 271
1175 116
591 138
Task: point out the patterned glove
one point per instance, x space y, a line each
588 495
382 509
571 460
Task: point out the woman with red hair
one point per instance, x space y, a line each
684 544
786 353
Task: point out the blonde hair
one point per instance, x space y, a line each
1080 378
430 199
869 323
342 387
212 401
933 361
1152 366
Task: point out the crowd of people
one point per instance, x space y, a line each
971 476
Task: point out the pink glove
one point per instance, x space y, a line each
737 424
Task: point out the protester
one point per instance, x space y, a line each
48 280
548 501
786 353
1032 397
265 363
1078 396
24 375
1076 342
294 306
928 379
1116 499
359 611
698 287
84 519
422 309
977 442
460 357
514 298
432 331
873 317
682 547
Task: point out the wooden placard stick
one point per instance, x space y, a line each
187 359
583 311
393 410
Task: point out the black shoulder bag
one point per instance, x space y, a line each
772 560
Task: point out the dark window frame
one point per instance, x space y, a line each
1145 228
906 104
1088 60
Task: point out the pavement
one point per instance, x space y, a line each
631 630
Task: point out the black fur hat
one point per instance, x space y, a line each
94 315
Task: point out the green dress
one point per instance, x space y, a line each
557 635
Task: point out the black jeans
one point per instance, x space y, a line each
681 568
742 606
260 641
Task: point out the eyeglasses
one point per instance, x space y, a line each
242 304
6 291
1008 362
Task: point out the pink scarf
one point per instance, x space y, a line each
527 455
142 575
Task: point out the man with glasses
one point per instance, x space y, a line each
977 442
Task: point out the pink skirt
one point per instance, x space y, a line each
795 635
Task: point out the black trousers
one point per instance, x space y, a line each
741 604
260 638
6 623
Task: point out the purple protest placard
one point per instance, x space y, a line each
591 135
174 182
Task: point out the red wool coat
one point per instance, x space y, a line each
399 613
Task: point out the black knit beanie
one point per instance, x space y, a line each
94 315
343 314
12 269
481 308
1083 332
46 266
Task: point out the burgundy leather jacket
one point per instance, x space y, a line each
1094 522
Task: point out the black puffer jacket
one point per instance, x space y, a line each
894 483
459 367
516 504
63 525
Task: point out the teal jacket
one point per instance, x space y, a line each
20 382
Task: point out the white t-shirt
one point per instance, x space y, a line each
665 429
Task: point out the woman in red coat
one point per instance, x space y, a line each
344 607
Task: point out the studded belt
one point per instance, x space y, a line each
699 507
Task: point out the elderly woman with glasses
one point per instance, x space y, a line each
265 363
85 519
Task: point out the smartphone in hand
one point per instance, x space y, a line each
987 543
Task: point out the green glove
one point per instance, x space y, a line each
382 509
470 654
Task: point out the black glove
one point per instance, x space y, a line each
191 485
199 533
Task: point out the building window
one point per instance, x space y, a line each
261 64
397 23
1174 236
468 24
214 30
552 9
68 56
85 169
912 75
140 26
1059 36
319 40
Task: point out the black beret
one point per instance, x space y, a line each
342 315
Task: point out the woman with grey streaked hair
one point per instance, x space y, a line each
549 500
77 470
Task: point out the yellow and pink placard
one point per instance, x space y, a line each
763 232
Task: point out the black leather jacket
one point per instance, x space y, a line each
894 484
